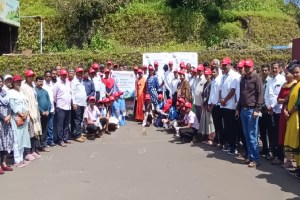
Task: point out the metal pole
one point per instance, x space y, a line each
41 36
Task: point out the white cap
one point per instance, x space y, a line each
7 76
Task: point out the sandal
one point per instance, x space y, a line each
19 165
253 164
276 161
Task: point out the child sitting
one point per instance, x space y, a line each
148 111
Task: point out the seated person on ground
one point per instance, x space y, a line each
148 111
103 112
91 119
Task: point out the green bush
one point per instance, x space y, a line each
231 30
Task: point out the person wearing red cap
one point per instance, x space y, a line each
148 111
152 85
159 110
79 98
188 72
19 121
197 89
71 75
102 106
91 119
191 124
160 74
115 109
184 88
108 82
96 82
62 100
169 76
240 67
274 109
35 129
206 129
135 71
140 91
181 66
228 99
248 108
145 71
88 84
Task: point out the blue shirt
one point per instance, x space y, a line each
115 109
122 104
89 87
43 99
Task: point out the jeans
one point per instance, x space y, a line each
250 127
198 110
76 121
50 138
44 123
62 124
92 129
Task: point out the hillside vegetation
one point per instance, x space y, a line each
124 26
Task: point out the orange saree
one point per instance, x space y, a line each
140 89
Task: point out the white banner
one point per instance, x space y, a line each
125 81
161 58
186 57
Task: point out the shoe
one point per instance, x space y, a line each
7 168
67 142
253 164
294 171
226 148
219 147
288 165
36 155
80 139
270 156
233 152
246 162
263 152
107 132
19 165
53 145
29 157
1 171
45 149
25 162
97 135
276 161
91 137
62 144
177 135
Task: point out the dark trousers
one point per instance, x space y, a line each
198 112
62 119
188 133
76 120
44 123
230 133
240 134
92 128
167 94
97 96
217 119
264 130
273 136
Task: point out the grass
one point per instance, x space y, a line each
36 7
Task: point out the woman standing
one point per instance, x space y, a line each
6 134
283 99
207 128
140 91
291 140
152 86
20 112
184 88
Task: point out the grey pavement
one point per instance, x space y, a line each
132 164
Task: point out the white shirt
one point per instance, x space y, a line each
62 94
160 78
272 91
5 88
214 90
191 118
174 85
79 96
102 89
229 81
49 89
198 88
97 81
169 76
237 91
192 83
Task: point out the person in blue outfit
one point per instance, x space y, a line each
122 109
159 110
115 108
152 86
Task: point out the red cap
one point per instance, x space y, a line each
169 101
160 96
91 70
167 107
248 63
182 72
140 71
106 70
101 74
105 100
100 101
120 92
241 64
182 65
109 62
111 98
115 65
194 70
200 67
92 98
95 66
79 69
145 67
226 61
175 71
207 71
147 97
177 103
17 77
29 72
188 105
63 72
151 67
135 68
155 63
181 100
116 94
170 63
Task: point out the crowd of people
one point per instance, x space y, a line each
46 111
230 106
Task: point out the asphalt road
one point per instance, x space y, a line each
136 165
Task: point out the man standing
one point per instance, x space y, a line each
58 68
88 83
48 86
71 75
229 85
160 77
169 76
44 105
109 83
54 76
274 109
79 101
94 70
198 89
62 99
250 103
7 82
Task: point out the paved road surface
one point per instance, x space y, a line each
132 165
